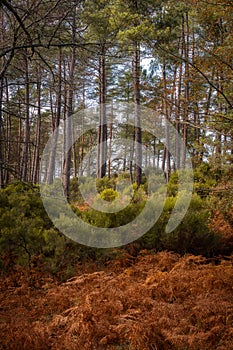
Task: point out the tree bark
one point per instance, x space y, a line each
167 157
102 131
1 137
110 143
68 122
138 132
56 122
186 84
35 178
25 159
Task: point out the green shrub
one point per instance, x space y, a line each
104 183
109 194
115 218
26 230
193 234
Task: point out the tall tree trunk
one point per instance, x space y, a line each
55 122
81 155
138 132
178 103
110 143
220 104
206 114
25 159
218 137
1 137
20 141
102 131
38 130
68 122
186 84
9 136
1 108
167 157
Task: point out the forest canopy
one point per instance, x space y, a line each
58 58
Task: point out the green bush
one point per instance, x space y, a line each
193 234
22 221
104 183
118 218
109 194
26 230
205 178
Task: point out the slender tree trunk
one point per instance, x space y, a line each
25 159
68 122
102 131
1 137
220 105
178 103
56 122
218 137
9 136
167 157
138 132
127 136
38 130
2 147
20 140
110 143
81 156
132 149
186 83
206 114
154 152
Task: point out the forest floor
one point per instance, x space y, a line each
154 301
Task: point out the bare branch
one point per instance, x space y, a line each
14 12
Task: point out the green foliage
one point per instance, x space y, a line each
193 234
26 230
104 183
205 177
119 218
22 221
109 194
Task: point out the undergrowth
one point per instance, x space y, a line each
155 301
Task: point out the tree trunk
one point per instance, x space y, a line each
68 122
56 122
110 143
167 157
8 143
102 131
1 137
81 155
25 159
186 84
178 103
138 132
35 178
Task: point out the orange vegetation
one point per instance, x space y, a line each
223 226
155 301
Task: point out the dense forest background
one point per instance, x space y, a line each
59 58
